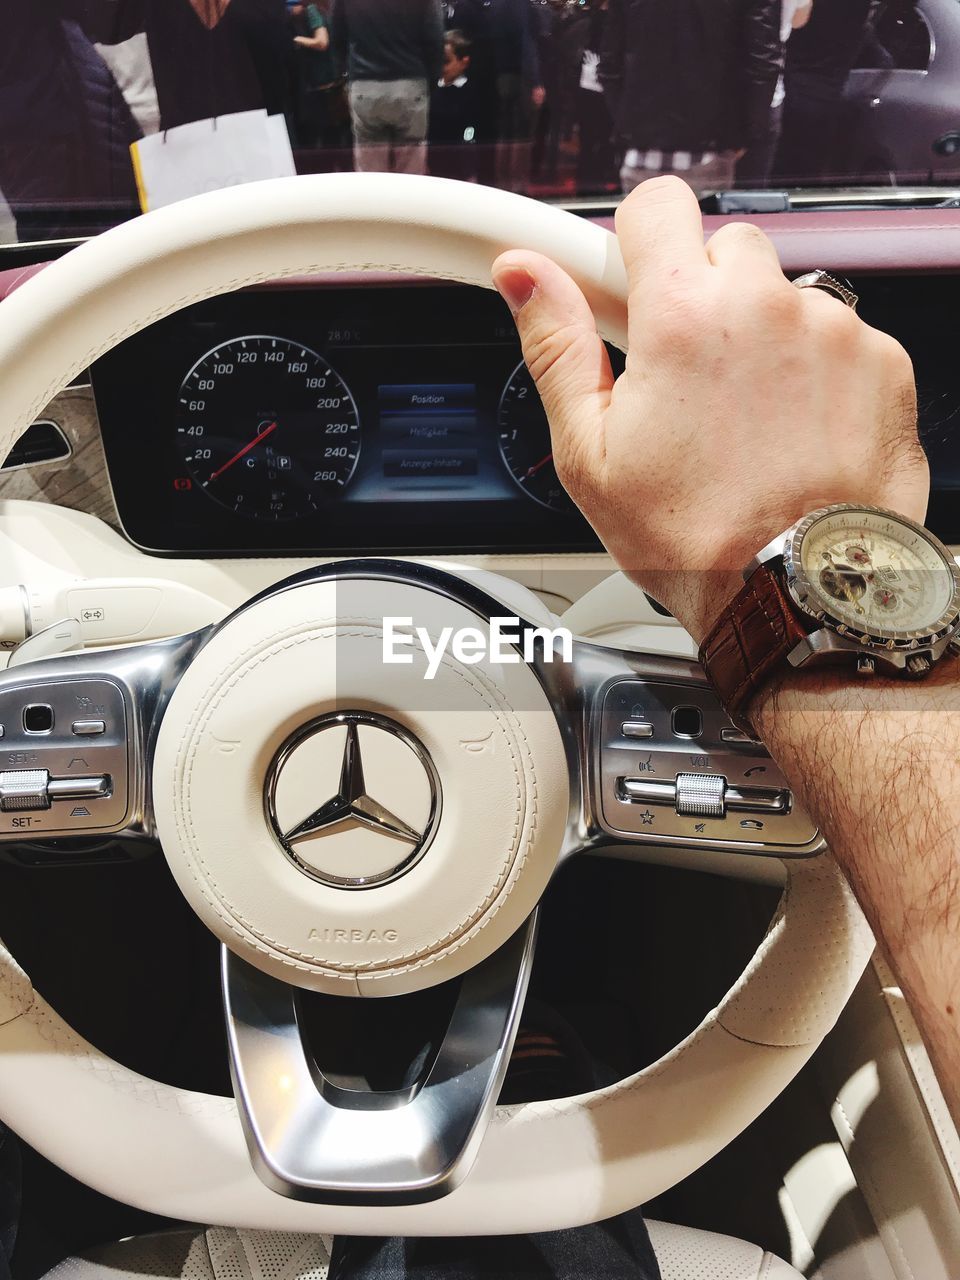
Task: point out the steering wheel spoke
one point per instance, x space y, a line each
310 1138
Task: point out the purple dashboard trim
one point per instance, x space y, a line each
876 241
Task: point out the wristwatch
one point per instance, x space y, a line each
847 584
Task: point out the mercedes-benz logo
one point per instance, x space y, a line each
324 842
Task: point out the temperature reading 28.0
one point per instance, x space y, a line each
267 427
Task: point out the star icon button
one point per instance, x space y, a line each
646 818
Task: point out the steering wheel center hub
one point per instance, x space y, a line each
295 766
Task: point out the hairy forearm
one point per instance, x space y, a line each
877 764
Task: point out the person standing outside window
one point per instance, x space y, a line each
513 26
755 168
690 85
596 154
209 57
819 59
454 113
318 89
393 53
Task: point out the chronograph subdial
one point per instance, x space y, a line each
859 556
886 599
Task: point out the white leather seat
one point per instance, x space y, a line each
223 1253
686 1254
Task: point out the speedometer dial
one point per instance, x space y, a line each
525 442
267 427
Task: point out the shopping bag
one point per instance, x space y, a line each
206 155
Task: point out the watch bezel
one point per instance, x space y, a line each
815 606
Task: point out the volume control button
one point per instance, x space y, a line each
700 795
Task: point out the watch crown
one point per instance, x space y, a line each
919 664
866 666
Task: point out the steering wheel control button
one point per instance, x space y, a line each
757 800
78 788
55 782
641 791
22 789
716 787
354 800
637 729
687 722
700 795
704 795
89 728
38 718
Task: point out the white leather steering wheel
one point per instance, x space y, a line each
182 1154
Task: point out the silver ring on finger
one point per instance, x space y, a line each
834 285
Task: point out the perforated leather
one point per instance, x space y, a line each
773 1003
220 1253
216 1253
686 1254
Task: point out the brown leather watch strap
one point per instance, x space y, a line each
749 641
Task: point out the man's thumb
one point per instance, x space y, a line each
563 351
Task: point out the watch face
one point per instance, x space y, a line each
874 574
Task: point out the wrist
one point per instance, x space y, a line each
696 598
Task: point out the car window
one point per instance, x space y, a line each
900 38
112 107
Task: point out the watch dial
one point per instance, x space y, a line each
875 573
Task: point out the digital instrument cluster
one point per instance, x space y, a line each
366 419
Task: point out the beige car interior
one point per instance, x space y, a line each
857 1156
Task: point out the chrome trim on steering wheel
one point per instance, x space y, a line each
312 1139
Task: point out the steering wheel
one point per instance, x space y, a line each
209 742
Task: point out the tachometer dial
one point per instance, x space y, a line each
267 427
525 442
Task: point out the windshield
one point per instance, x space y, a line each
110 107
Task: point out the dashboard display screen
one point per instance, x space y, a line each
368 419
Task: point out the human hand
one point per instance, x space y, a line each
745 402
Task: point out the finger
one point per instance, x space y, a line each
823 302
741 246
562 349
660 232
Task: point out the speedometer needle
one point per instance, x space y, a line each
532 471
261 435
